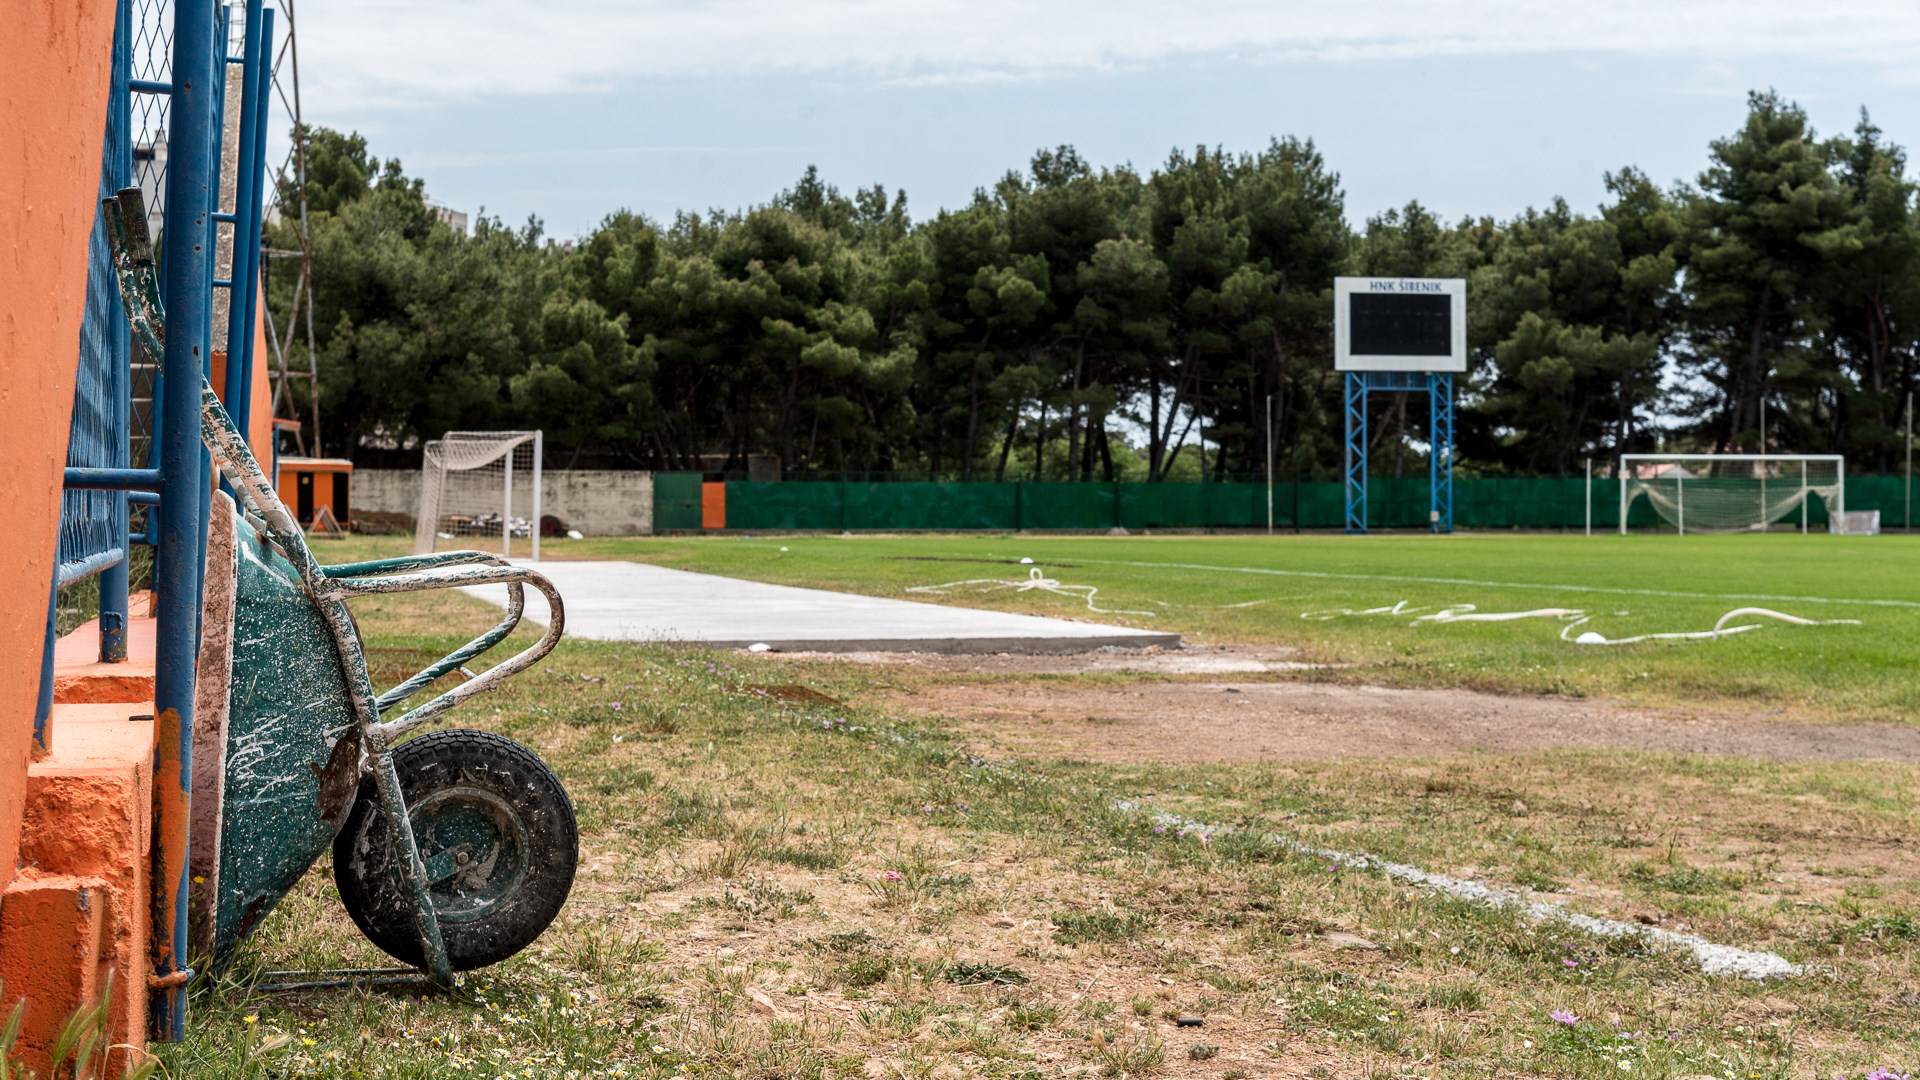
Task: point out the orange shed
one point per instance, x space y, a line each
307 484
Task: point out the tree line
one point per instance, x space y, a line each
1082 322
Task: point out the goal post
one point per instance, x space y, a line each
1725 493
476 486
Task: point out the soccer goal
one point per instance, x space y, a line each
1724 493
480 486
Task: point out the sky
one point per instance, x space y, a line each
571 109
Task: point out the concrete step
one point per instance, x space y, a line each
86 853
55 954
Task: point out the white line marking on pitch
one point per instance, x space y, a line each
1407 578
1713 958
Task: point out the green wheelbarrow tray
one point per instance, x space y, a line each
452 850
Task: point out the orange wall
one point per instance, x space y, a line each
260 407
55 60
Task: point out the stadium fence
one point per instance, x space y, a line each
1484 503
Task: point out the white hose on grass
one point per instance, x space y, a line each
1468 613
1400 608
1037 581
1720 628
1576 618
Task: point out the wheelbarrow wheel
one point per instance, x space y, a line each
496 832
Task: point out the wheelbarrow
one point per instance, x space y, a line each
451 850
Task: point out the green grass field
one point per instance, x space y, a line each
1244 589
789 871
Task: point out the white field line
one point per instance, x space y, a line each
1609 590
1713 958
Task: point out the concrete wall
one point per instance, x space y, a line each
55 61
595 501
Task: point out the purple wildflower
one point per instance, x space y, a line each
1565 1016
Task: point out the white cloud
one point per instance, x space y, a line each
363 52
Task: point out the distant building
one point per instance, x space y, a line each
455 219
150 169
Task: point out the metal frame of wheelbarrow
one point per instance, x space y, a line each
329 588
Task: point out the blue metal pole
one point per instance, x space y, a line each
1440 455
1446 472
88 478
222 34
246 230
1434 438
1356 463
186 292
114 580
238 327
43 707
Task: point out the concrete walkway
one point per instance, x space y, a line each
622 601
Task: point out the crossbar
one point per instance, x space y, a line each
1732 457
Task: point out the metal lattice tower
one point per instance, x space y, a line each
296 384
1438 386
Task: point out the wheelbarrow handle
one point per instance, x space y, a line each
515 578
410 563
516 604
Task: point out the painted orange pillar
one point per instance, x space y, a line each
260 401
55 63
260 407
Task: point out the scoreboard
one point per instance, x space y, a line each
1399 324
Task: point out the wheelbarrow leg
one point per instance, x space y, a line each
413 869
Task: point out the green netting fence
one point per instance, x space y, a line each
1394 503
676 501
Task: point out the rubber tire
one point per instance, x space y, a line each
460 764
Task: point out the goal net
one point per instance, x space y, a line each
480 488
1723 493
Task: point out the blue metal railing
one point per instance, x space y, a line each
169 66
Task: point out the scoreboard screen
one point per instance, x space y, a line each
1400 324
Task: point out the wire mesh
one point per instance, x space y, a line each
150 59
92 523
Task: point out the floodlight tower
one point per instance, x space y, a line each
1400 335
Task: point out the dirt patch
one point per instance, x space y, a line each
1251 721
1188 660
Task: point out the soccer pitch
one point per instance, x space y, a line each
1314 593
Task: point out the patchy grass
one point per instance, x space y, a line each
801 885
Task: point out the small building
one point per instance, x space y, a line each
306 484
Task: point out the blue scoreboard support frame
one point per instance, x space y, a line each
1438 386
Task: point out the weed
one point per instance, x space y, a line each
1087 927
1882 929
1679 878
1135 1056
1031 1017
974 973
